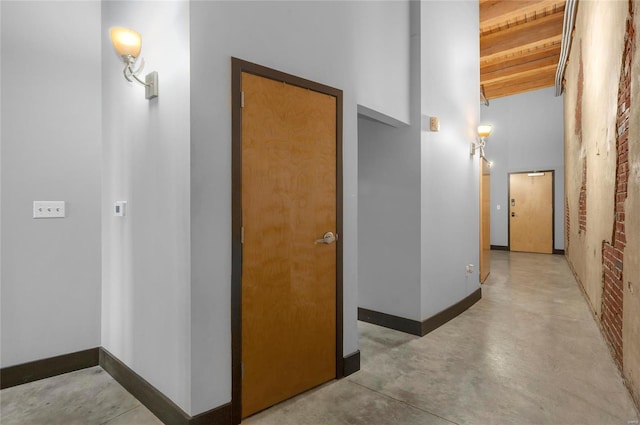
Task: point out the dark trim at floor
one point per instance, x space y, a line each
390 321
415 327
161 406
451 312
499 248
351 363
46 368
558 251
166 410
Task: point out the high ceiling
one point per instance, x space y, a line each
520 44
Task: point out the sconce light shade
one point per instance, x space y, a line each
484 131
126 42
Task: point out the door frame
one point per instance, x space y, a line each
484 162
238 66
553 206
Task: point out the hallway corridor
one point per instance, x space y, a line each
529 352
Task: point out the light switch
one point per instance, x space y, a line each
434 124
49 209
498 207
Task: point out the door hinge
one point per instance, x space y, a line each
242 99
242 234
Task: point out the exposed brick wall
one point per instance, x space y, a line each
613 253
582 200
611 316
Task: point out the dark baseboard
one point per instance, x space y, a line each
220 415
46 368
415 327
166 410
558 251
439 319
499 248
351 363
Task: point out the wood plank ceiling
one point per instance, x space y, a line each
520 44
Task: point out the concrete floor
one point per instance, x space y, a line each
528 353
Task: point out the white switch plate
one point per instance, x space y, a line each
49 209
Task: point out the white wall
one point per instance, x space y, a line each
389 218
418 201
146 147
50 151
320 41
389 199
450 79
527 135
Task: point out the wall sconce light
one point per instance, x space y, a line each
483 133
127 44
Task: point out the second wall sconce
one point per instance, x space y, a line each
483 133
127 44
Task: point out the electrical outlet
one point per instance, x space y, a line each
469 268
49 209
120 208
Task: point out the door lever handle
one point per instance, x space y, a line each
327 239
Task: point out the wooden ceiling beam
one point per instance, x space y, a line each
521 57
521 49
496 14
518 37
516 82
531 69
533 74
501 89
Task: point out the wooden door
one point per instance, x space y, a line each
485 219
288 204
531 212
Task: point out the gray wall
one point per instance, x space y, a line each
389 200
450 76
527 135
146 305
418 190
389 218
51 120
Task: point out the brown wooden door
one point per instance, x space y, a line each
531 212
485 219
288 203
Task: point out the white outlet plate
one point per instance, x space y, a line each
49 209
120 208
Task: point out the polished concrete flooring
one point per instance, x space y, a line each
528 353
